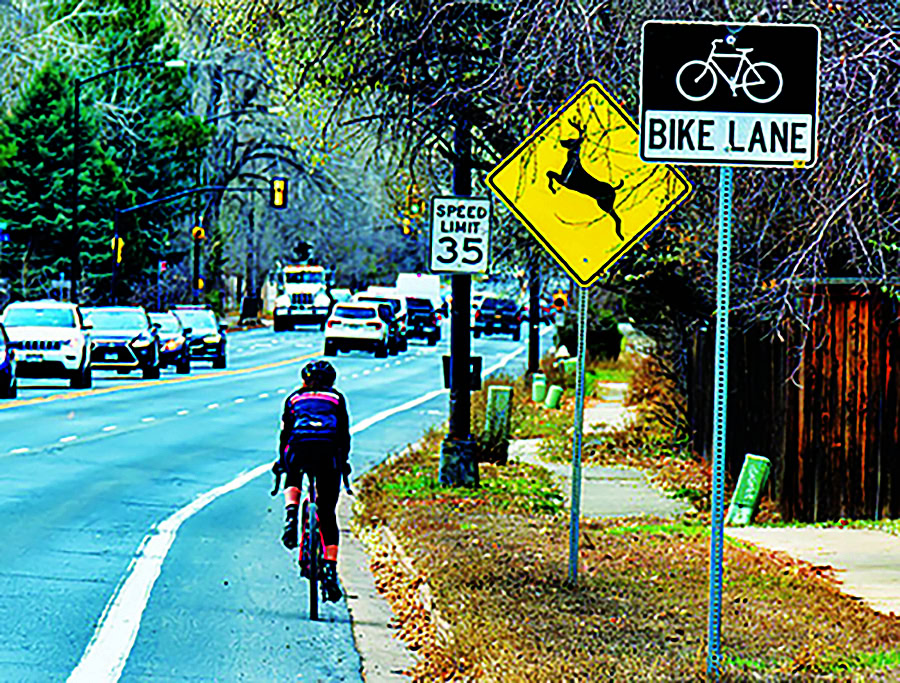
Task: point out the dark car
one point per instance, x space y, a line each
8 384
174 339
123 339
207 338
422 320
498 316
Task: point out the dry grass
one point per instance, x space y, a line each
495 559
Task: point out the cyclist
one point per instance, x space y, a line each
315 438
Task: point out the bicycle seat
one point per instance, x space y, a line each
743 49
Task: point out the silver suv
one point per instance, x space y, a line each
50 339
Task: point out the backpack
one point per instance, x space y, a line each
315 416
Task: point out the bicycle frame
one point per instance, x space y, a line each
732 82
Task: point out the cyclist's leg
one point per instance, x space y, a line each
327 489
291 507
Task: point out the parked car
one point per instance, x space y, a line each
386 295
497 315
8 384
124 339
423 321
207 340
174 339
358 326
50 339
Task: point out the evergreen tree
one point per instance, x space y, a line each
148 130
35 191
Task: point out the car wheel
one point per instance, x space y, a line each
151 373
81 379
183 367
517 334
10 391
434 339
219 363
330 348
476 333
381 351
404 345
277 325
394 349
13 389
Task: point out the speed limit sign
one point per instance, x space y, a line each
460 231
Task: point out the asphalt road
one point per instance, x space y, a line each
139 538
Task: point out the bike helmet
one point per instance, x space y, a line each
319 373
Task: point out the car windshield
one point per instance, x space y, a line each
199 321
499 304
304 277
393 303
117 320
418 304
39 317
167 322
354 313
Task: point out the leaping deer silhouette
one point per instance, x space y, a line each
574 177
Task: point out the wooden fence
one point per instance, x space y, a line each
827 415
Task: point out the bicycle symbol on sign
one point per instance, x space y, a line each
697 79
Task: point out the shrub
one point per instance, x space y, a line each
603 339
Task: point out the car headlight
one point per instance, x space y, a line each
321 300
283 300
172 344
212 339
141 343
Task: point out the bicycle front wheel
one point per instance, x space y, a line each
762 82
696 80
313 555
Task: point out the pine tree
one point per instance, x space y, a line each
35 191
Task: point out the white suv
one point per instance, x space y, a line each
51 340
356 326
388 295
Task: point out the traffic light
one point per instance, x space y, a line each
278 195
198 233
560 299
415 204
117 244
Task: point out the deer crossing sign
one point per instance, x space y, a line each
580 187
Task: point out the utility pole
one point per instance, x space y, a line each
458 466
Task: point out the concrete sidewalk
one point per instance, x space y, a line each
867 563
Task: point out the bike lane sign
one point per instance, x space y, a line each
729 94
579 186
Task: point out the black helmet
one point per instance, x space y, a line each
319 373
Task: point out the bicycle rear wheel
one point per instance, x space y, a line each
312 553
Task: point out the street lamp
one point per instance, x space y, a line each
75 263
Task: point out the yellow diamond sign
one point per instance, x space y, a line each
579 185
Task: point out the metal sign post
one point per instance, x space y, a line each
577 438
720 409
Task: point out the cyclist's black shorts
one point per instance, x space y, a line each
316 457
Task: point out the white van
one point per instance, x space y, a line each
421 286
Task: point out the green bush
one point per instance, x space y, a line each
604 341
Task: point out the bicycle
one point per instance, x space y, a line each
704 83
312 546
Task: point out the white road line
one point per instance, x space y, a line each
377 368
367 372
182 412
108 428
398 362
149 418
239 400
67 439
282 391
17 451
354 375
264 395
212 406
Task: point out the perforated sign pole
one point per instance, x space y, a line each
575 513
720 410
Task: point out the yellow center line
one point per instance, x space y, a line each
152 383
